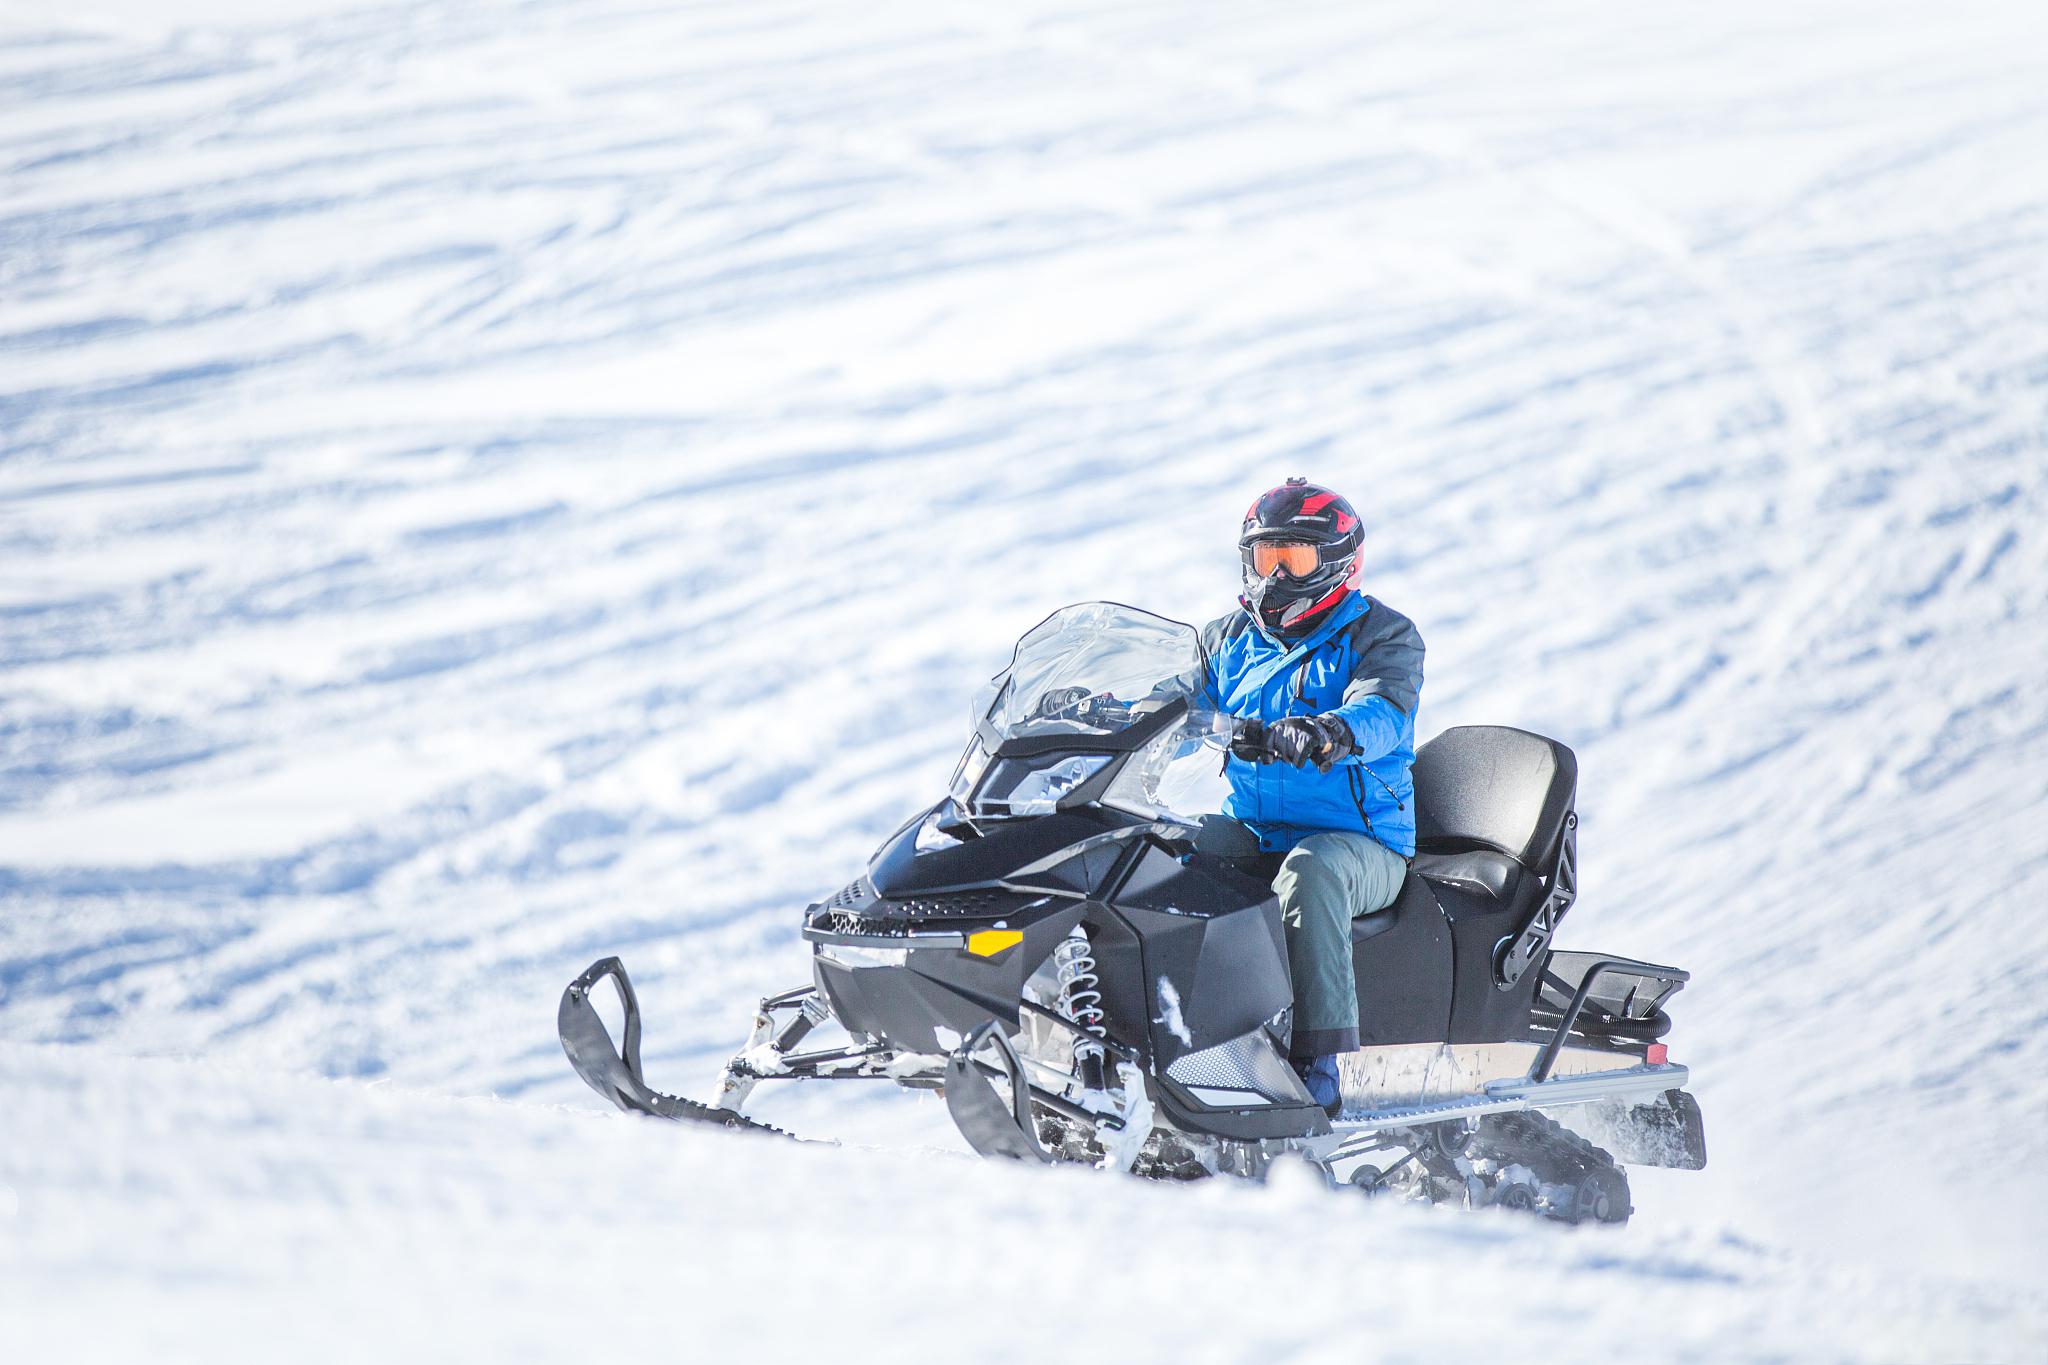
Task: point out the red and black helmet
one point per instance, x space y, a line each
1300 545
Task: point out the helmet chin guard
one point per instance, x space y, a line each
1299 512
1282 611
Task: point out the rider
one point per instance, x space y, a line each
1320 793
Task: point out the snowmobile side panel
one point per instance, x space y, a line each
1119 967
1404 971
908 994
1481 926
1194 883
1167 954
1210 978
1209 988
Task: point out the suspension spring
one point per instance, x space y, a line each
1081 1003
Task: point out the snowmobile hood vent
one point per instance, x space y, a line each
855 893
856 909
959 905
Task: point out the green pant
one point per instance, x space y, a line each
1323 882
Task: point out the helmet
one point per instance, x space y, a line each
1300 545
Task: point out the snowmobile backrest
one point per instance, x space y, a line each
1489 786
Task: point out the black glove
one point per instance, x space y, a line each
1248 742
1300 740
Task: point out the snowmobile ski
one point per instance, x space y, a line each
613 1071
992 1126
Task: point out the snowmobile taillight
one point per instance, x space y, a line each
1657 1054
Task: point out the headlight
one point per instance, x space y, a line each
1035 786
969 772
931 838
858 958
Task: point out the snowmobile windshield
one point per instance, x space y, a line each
1092 671
1095 668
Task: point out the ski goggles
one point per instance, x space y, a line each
1295 558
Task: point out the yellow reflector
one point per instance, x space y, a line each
989 942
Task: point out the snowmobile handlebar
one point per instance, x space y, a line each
1079 704
1254 741
1248 741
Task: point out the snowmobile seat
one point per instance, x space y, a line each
1493 875
1493 838
1491 787
1376 922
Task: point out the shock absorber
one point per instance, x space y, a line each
1081 1003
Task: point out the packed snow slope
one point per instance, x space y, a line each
485 485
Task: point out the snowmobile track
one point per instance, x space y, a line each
1557 1156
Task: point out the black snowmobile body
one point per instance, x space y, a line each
1088 977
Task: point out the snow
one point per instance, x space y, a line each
192 1198
488 484
1169 1015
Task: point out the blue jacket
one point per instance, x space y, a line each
1365 664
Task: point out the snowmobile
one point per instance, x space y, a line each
1053 947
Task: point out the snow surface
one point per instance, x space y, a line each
484 485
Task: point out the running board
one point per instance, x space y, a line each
1351 1136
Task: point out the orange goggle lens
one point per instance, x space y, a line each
1296 559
